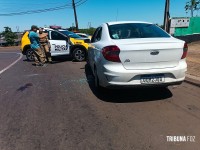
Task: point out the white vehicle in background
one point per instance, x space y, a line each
136 53
68 43
83 35
62 43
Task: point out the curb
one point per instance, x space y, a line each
192 80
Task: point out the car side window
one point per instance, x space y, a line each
97 35
57 36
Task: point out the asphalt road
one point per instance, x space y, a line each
57 108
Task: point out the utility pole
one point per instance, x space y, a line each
166 16
89 25
192 9
75 16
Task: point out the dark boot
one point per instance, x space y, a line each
48 54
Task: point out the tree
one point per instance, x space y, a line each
89 31
192 5
9 36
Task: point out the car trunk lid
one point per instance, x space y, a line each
150 53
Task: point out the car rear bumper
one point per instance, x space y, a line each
111 75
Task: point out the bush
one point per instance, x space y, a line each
9 36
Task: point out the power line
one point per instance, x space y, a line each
36 11
81 3
69 5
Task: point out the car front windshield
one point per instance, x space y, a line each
136 30
70 34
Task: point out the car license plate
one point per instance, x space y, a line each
152 79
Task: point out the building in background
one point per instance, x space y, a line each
187 29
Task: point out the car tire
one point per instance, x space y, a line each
96 81
29 54
79 54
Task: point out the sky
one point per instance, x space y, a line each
92 12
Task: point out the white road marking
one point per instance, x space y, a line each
9 66
31 75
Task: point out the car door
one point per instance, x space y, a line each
59 43
94 50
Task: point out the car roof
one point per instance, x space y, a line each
123 22
48 29
63 30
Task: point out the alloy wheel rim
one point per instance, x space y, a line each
30 55
80 55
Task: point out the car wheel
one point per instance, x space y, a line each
29 55
79 54
96 81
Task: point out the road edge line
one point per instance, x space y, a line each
12 64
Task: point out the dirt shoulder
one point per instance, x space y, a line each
193 59
9 49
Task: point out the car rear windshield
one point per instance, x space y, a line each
136 30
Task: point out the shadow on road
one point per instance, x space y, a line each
130 95
60 59
57 59
26 86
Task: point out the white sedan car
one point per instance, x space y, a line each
136 54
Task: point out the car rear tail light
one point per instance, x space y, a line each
185 50
111 53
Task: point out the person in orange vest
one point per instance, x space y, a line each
45 45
